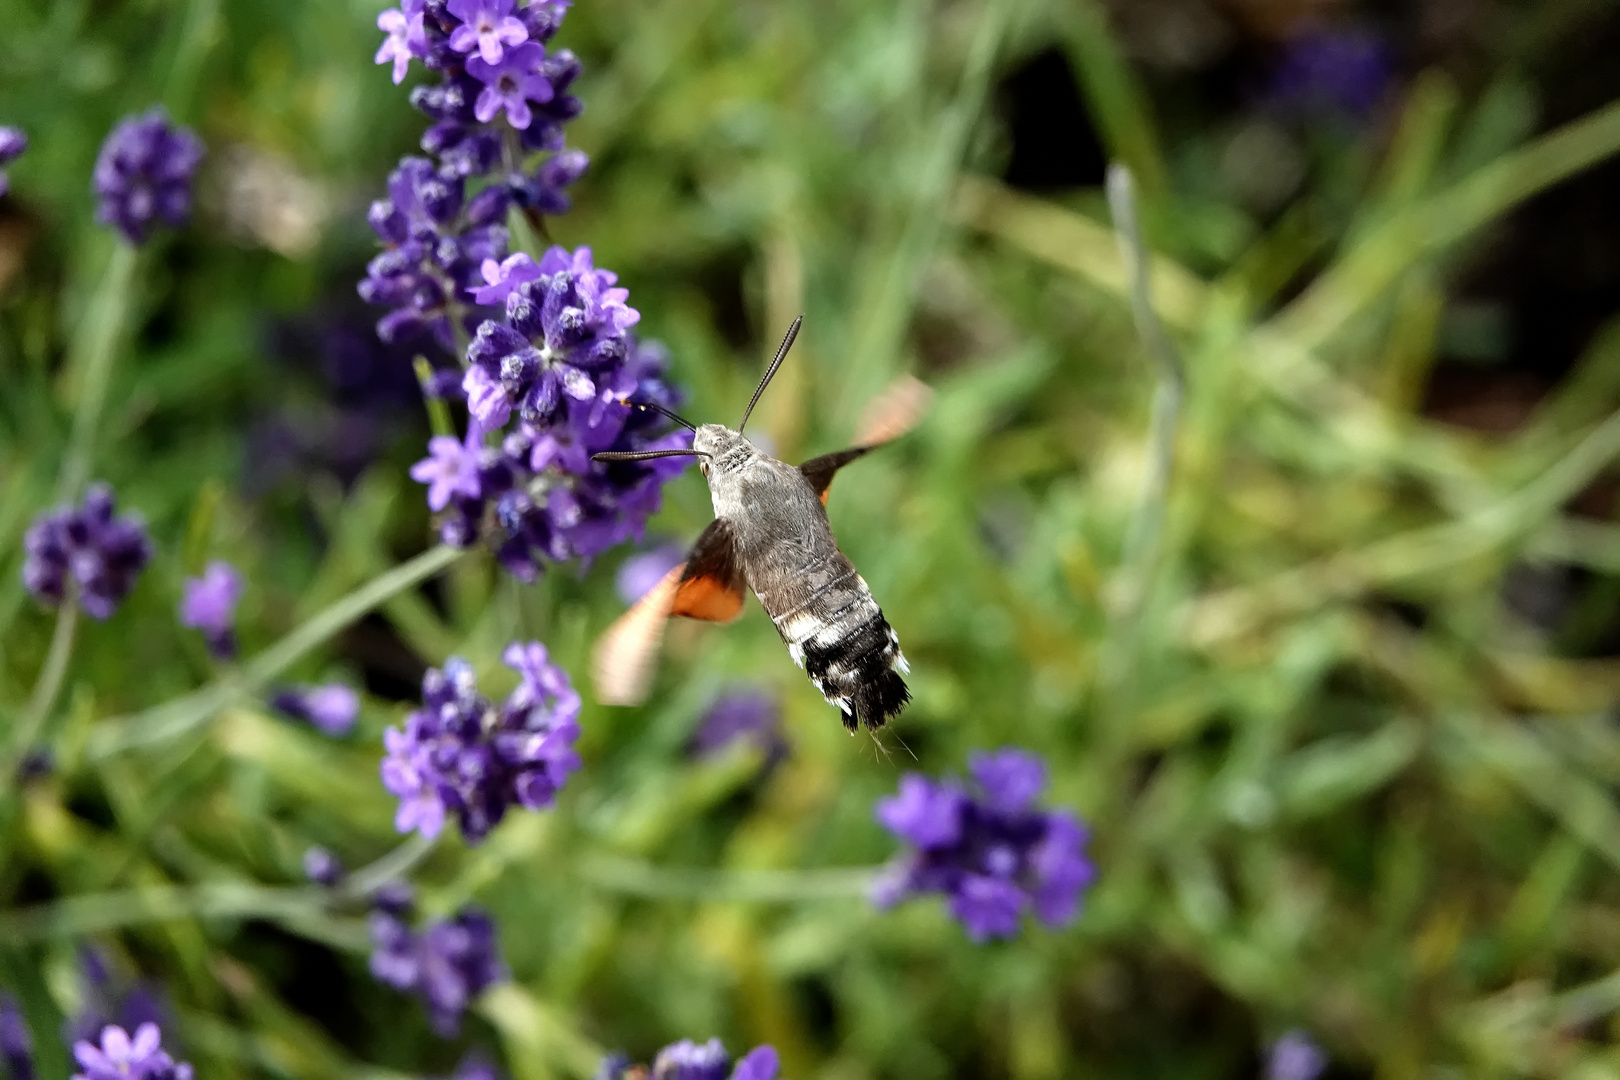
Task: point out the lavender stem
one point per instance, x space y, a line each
92 366
183 714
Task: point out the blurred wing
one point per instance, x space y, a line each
626 655
711 585
707 586
890 415
895 411
819 471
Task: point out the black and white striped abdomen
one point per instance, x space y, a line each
839 636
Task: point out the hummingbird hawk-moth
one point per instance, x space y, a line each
770 534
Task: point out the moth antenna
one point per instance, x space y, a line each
653 406
643 455
770 372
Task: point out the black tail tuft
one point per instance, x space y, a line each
878 699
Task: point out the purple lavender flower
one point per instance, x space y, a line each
987 847
36 764
333 708
394 959
406 38
436 239
639 573
925 814
510 84
87 549
540 496
12 144
459 961
746 715
544 17
488 26
1295 1057
565 321
1333 73
108 999
16 1043
451 467
143 175
564 363
322 867
121 1058
209 605
475 1067
461 754
447 964
500 278
760 1063
687 1060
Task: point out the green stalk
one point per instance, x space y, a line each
635 878
438 412
881 325
396 864
184 714
94 349
1372 266
1144 538
302 909
49 682
1430 549
92 913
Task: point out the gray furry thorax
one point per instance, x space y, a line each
768 503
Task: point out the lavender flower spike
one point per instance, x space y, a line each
210 604
475 1067
143 175
100 554
1295 1057
16 1044
552 348
448 964
332 708
322 867
745 715
1329 74
987 847
688 1060
462 755
12 144
121 1058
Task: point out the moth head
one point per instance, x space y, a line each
721 444
714 445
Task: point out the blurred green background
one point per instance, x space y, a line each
1338 702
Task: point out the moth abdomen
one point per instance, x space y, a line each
849 650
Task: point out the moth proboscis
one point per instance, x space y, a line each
771 534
